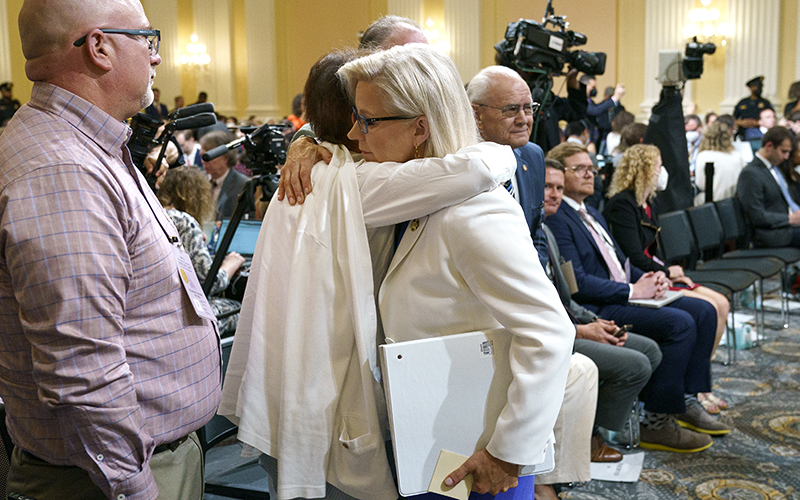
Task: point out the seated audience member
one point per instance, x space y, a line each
634 226
631 134
190 147
624 360
792 122
789 169
226 184
743 148
579 133
764 193
503 111
619 122
766 120
684 330
793 105
185 193
711 117
694 134
717 147
378 194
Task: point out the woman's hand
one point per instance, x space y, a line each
232 262
685 280
489 474
295 181
675 272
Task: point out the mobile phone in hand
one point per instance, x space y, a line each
625 328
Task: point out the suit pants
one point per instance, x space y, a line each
573 429
178 475
623 372
685 331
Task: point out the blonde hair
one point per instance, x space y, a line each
636 171
419 80
188 190
717 137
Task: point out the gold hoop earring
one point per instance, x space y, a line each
416 152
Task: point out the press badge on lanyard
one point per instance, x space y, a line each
192 285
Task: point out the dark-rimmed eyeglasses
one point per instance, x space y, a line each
511 110
153 37
364 122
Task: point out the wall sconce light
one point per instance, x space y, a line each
196 58
434 36
704 24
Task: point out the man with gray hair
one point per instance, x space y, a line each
504 114
109 352
389 31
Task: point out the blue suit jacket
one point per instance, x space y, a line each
591 272
530 183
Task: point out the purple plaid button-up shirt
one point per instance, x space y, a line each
102 356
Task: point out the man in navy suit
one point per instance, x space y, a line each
765 195
504 114
684 330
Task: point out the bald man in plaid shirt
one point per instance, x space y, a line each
108 364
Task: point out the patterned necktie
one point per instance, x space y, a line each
617 274
509 187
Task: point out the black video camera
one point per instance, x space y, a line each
529 46
693 60
265 148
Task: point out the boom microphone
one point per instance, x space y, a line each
202 107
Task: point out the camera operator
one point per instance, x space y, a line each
570 108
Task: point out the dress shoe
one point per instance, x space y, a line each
672 437
698 420
602 453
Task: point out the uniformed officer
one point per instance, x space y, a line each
748 109
8 105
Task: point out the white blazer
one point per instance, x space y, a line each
301 382
473 267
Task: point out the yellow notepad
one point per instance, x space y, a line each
447 463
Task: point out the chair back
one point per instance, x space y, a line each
675 237
707 228
219 428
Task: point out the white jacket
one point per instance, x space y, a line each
301 381
473 267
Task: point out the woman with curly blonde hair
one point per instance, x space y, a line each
637 171
185 193
634 225
717 147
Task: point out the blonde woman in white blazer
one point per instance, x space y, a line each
468 267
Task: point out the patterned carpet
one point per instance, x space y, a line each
759 459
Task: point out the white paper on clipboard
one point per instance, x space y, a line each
445 393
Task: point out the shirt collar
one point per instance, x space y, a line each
100 127
766 161
572 203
